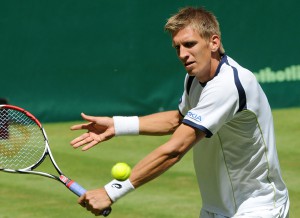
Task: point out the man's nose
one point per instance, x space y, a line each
183 54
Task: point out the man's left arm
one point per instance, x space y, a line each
150 167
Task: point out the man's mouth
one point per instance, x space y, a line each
188 64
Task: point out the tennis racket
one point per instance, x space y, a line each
24 146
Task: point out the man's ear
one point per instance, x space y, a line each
214 43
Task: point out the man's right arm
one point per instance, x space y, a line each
162 123
100 129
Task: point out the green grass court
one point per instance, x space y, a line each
175 194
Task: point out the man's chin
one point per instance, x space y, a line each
191 73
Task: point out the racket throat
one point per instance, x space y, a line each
66 181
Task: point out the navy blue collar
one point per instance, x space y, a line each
222 61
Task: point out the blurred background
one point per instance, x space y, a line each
60 58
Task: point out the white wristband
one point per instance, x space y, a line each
117 189
126 125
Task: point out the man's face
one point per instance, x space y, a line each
194 52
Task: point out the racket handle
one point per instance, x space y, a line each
76 188
79 191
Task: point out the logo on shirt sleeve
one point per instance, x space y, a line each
194 116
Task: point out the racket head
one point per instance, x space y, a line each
22 141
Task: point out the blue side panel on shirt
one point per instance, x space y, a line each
241 91
240 88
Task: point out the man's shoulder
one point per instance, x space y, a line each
233 63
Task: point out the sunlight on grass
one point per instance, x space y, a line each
175 194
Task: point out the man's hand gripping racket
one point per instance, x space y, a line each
24 145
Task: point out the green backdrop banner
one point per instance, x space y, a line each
60 58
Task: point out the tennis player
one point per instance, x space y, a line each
223 115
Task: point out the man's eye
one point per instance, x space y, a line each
189 44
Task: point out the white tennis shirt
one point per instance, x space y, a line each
236 164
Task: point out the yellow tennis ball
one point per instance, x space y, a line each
121 171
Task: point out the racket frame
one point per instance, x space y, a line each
47 151
70 184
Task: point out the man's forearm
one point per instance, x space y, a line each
166 155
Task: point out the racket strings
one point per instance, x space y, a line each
21 140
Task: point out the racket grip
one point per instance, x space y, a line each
76 188
79 191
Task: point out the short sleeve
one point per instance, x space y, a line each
218 103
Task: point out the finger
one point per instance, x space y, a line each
83 143
88 118
79 144
81 140
83 126
90 145
78 126
102 137
81 200
88 207
97 212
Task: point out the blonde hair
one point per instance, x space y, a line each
204 22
